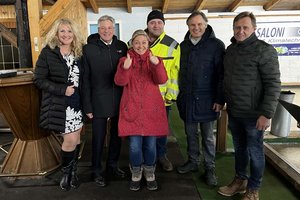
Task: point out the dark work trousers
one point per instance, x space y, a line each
99 130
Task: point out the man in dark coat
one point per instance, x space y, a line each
200 96
101 97
252 87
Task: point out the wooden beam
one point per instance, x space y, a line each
129 6
7 20
55 12
25 59
232 7
222 124
8 35
94 6
200 5
34 16
165 6
50 1
270 4
7 2
91 4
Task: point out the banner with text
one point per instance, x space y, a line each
284 36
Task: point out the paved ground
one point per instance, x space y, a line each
171 185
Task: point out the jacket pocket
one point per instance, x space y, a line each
202 107
129 108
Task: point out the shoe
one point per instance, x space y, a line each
210 177
152 185
238 185
116 173
100 180
149 174
187 167
135 185
165 163
251 195
136 177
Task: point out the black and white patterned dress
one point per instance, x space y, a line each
73 112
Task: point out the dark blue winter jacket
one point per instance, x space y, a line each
200 77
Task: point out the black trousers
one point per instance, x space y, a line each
99 131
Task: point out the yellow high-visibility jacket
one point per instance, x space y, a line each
168 49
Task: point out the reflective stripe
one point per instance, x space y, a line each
173 81
173 92
171 48
163 85
163 93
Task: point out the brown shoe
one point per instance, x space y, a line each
251 195
165 163
238 185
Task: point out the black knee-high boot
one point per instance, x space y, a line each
67 166
74 178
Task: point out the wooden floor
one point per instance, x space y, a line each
172 186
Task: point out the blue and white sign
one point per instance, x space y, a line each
284 36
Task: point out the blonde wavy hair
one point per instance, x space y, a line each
52 36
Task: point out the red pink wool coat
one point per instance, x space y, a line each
142 110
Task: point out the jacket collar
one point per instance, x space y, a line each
209 33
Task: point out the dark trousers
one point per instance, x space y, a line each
99 130
249 149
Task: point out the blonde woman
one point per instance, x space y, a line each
57 75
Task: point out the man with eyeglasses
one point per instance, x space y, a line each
101 97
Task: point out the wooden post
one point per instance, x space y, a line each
35 13
221 132
25 59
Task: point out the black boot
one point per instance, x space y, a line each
150 177
74 178
136 177
67 165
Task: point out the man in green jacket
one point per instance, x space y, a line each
252 87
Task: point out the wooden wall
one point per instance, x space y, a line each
8 16
76 11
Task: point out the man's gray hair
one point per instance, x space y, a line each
105 18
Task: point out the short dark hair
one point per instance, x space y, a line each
245 14
196 13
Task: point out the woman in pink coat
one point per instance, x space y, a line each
142 111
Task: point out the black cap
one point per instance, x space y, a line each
155 14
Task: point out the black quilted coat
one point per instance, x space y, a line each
51 76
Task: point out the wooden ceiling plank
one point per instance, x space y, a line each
55 12
94 6
91 4
8 35
129 6
165 6
270 4
50 1
7 20
232 7
200 4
